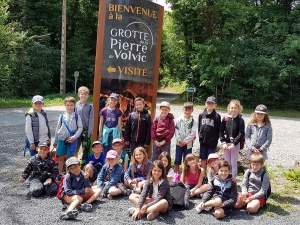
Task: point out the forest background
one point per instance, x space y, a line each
245 49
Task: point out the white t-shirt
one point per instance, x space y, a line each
170 173
155 189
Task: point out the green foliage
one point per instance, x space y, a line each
293 175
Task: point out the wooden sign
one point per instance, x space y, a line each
127 55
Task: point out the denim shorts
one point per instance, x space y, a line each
63 149
205 151
181 153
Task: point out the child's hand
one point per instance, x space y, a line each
162 143
54 145
136 214
32 146
49 181
249 199
181 143
192 192
21 179
91 162
230 147
133 181
89 135
71 139
127 142
100 138
143 210
157 143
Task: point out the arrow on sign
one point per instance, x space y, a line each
111 69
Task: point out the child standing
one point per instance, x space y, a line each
259 132
138 126
110 175
110 126
155 197
192 175
86 112
232 131
94 162
162 130
165 158
222 193
136 174
77 189
185 133
209 122
68 129
255 185
36 126
42 171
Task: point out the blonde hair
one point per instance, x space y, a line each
83 89
186 168
135 163
257 157
237 103
253 119
70 99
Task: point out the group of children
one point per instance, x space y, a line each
110 171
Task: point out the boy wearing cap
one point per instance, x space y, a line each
138 126
77 189
94 162
110 125
36 126
185 133
86 112
110 175
162 130
117 145
42 171
209 122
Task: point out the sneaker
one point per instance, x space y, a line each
199 209
122 188
87 207
109 196
72 214
152 215
131 210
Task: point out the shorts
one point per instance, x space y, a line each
261 200
68 198
205 151
226 210
181 153
190 186
96 172
63 149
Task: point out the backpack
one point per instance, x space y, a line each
242 141
180 196
269 191
60 186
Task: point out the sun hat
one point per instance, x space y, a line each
261 109
112 154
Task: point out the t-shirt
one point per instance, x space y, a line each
155 189
108 175
170 173
111 119
123 159
101 159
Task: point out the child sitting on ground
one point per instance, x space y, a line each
222 193
155 197
185 133
77 189
36 126
94 162
136 174
192 175
162 130
254 187
110 176
43 170
213 165
165 158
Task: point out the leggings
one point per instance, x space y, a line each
231 156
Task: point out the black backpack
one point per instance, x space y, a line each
269 191
180 196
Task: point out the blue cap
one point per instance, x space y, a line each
37 98
114 95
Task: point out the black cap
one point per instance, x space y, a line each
211 99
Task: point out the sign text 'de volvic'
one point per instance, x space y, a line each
130 34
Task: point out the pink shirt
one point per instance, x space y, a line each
192 178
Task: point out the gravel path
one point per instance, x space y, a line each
17 207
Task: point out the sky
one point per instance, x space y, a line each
162 2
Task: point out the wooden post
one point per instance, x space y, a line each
63 49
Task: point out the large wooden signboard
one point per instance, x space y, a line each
128 54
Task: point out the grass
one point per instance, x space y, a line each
50 100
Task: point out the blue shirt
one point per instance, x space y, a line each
101 159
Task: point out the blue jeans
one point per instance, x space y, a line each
33 152
205 151
181 153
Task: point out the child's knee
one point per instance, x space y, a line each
252 209
77 198
219 213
